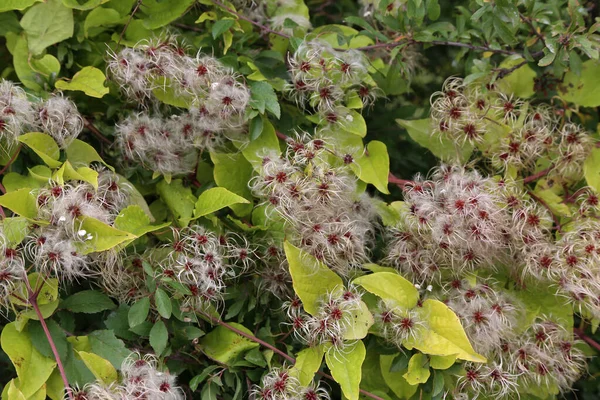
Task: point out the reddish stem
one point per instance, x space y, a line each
399 182
587 339
537 176
276 350
95 131
33 301
281 135
12 159
2 189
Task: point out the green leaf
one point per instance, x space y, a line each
89 80
101 368
444 334
135 220
47 23
355 123
445 149
359 325
233 172
346 368
223 345
591 169
221 26
33 369
100 17
263 97
32 72
308 362
14 393
40 340
160 13
441 362
179 199
215 199
583 90
15 229
105 344
88 302
266 143
21 202
163 303
80 153
55 387
418 369
311 278
374 166
256 127
519 82
390 287
159 337
7 5
104 237
139 312
395 379
540 299
68 173
44 146
86 5
166 92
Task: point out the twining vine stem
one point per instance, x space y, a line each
32 299
276 350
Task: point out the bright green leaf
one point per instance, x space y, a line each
215 199
308 362
220 26
346 368
160 13
311 278
86 5
32 368
418 369
441 362
223 345
582 90
89 80
519 82
233 172
374 166
33 73
101 368
21 202
390 287
47 23
80 153
44 146
7 5
395 380
179 199
104 237
445 149
591 169
266 144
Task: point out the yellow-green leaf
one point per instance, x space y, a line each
311 278
395 380
308 362
359 325
223 345
520 81
374 166
33 369
79 153
591 169
89 80
104 237
418 369
21 202
102 369
44 146
583 89
266 143
233 172
346 368
215 199
444 334
391 287
442 362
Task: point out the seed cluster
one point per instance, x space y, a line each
328 80
215 98
281 384
331 323
57 116
279 15
141 378
460 221
318 200
468 114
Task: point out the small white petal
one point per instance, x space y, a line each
62 219
82 232
429 288
417 286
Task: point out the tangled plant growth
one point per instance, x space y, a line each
302 200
